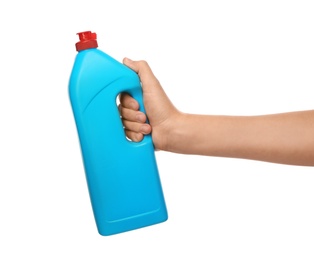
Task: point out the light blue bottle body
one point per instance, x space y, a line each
122 176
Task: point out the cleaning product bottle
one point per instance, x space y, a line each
122 176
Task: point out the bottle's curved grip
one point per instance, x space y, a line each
137 94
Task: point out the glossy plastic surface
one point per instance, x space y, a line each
122 176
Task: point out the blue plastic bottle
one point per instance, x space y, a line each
122 176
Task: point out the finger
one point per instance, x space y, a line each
135 137
131 115
137 127
127 101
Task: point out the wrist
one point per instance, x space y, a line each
165 135
175 133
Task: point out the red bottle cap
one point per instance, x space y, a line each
87 41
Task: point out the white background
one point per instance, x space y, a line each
212 57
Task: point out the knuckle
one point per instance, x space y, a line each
143 63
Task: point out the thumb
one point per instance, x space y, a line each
143 70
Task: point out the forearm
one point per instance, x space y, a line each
281 138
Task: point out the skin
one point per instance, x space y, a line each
286 138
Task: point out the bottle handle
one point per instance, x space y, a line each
137 94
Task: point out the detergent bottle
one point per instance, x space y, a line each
122 176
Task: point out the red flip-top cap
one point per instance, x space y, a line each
87 41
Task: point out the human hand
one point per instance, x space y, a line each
160 112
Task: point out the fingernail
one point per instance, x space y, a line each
140 117
144 129
127 60
134 105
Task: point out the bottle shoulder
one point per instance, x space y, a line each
96 65
94 72
95 60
